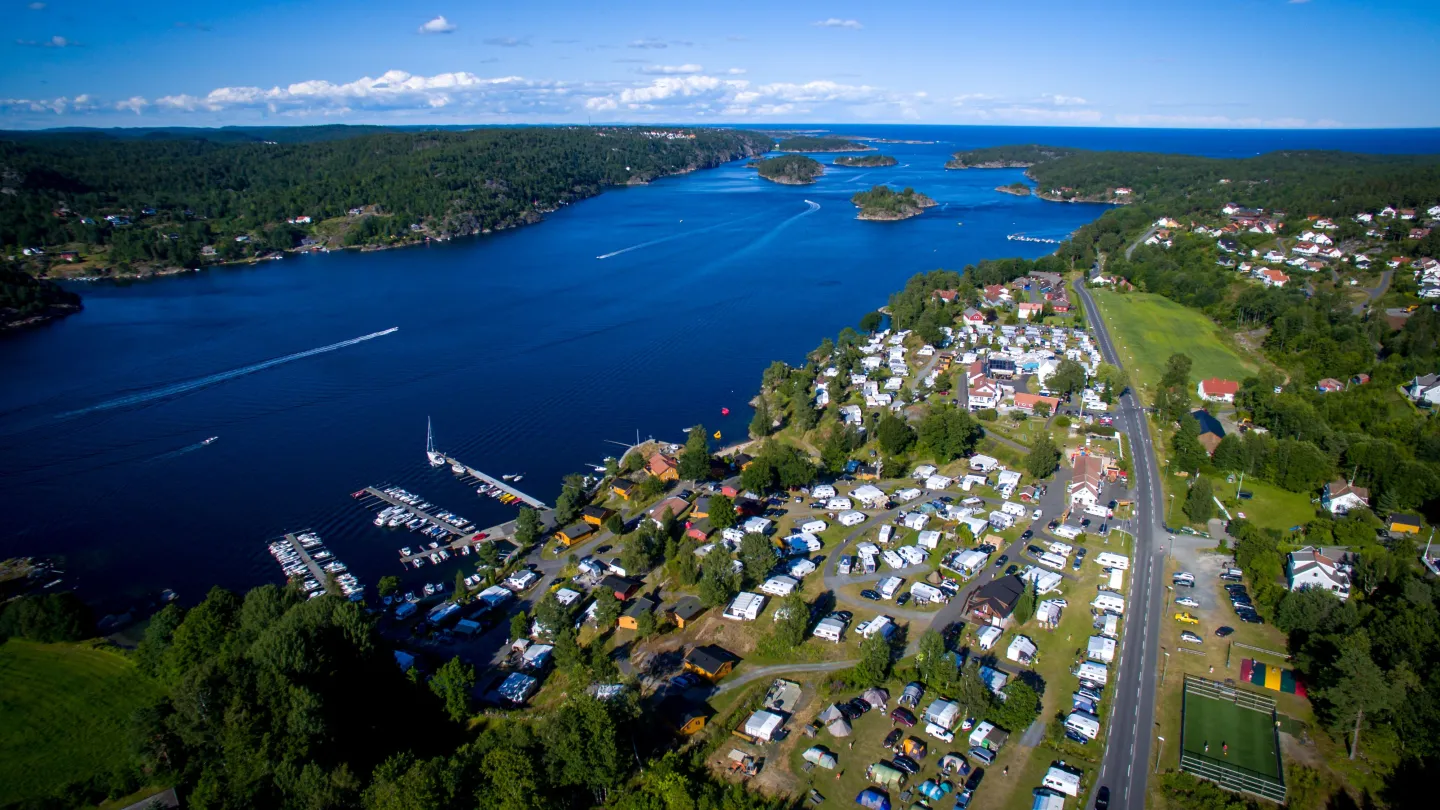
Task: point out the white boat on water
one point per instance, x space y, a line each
436 460
517 478
458 469
210 440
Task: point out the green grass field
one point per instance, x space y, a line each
1251 762
1147 329
63 713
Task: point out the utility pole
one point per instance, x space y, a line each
1168 508
1240 485
1163 670
1159 752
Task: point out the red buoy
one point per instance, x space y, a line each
724 411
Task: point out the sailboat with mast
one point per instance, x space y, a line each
436 460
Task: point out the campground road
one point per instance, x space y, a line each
777 669
1132 688
1373 294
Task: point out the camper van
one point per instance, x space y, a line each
1109 603
1092 672
1052 561
1117 580
1107 560
885 532
1086 725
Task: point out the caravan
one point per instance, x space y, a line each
1063 780
1117 580
1086 725
1052 561
1107 560
1107 602
1092 672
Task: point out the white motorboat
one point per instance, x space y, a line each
458 469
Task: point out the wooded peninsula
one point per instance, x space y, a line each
809 143
883 203
865 161
790 170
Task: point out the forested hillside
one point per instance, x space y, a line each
179 194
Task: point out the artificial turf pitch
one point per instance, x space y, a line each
1252 761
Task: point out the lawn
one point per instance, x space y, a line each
1229 742
1147 329
1271 507
64 709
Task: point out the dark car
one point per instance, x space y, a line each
873 596
1081 552
974 780
893 738
1026 535
1102 798
843 615
962 799
1251 618
1034 550
849 710
1076 565
902 716
902 599
1222 632
1001 560
1084 523
1012 569
860 706
1079 738
906 764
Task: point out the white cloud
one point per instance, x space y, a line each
134 104
835 22
507 42
439 25
966 98
1223 121
1064 101
668 70
736 72
52 42
653 44
57 105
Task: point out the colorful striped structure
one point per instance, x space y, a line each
1271 677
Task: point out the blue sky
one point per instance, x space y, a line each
1223 63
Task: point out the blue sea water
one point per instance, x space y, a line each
535 351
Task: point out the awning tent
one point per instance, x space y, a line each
873 799
821 757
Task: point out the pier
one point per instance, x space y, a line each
316 572
498 484
501 532
420 513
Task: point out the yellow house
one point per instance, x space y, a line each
574 533
623 487
664 467
684 718
685 611
630 619
596 515
1404 524
710 662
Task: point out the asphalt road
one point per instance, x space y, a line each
1131 690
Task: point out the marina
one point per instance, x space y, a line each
490 485
412 512
303 556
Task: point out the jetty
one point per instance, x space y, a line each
502 532
499 484
429 518
316 572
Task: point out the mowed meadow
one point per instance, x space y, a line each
1147 329
64 713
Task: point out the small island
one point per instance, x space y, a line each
1017 188
790 170
810 143
865 161
884 204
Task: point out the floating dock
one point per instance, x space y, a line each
420 513
294 546
499 484
501 532
316 572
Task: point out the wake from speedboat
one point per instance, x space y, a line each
672 237
194 385
189 448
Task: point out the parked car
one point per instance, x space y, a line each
902 599
1026 535
1001 560
974 780
906 764
1012 569
843 615
1187 602
902 716
1035 515
1222 632
1035 551
859 706
939 732
893 738
1076 565
962 799
1186 618
1186 635
873 596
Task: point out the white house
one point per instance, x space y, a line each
1217 390
1062 780
981 463
923 471
907 495
813 526
916 520
830 629
1001 520
1341 496
1101 649
928 539
880 624
988 636
1308 568
924 593
1425 389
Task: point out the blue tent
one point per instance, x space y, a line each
873 799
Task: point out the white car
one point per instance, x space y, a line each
1036 514
1187 602
940 733
1191 637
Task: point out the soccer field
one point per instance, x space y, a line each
1252 761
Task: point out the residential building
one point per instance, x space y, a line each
995 601
1339 497
630 619
1404 524
1308 568
664 467
1086 481
710 662
1425 389
1217 390
1029 402
1211 431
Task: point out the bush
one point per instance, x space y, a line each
49 618
987 415
1062 421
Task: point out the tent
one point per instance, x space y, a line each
839 727
1270 676
876 697
873 799
935 791
883 774
820 756
954 763
830 714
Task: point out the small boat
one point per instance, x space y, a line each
210 440
457 468
517 478
436 460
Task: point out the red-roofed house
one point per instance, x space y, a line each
1217 390
664 467
1028 402
948 296
1329 385
1273 278
1028 309
996 294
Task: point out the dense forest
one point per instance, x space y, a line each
181 193
812 143
865 161
24 297
272 700
790 170
883 203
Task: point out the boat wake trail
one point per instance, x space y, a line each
673 237
193 385
189 448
